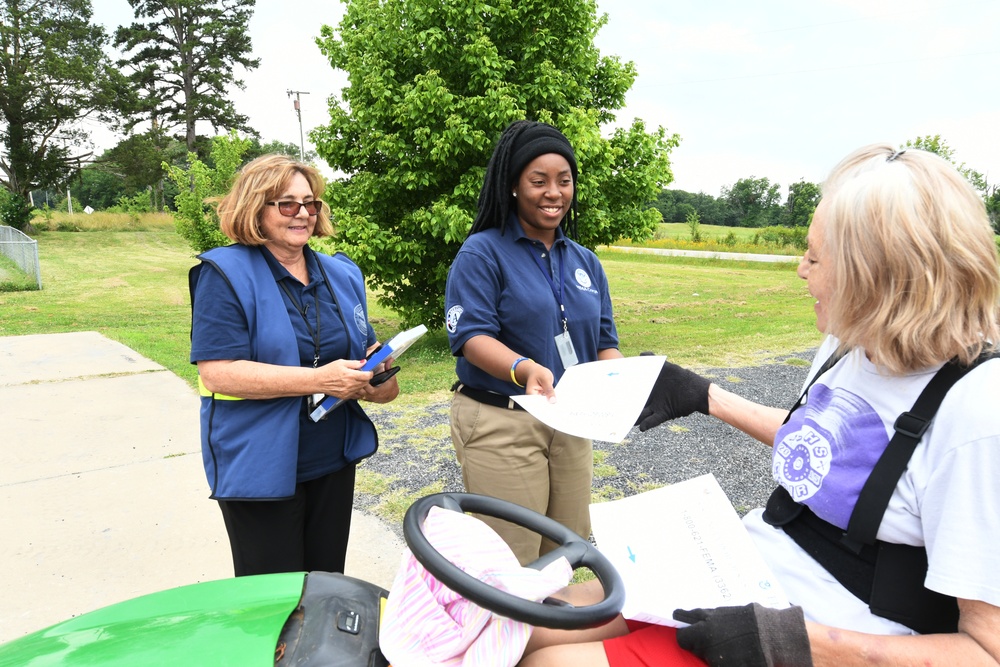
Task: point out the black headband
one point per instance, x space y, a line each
538 139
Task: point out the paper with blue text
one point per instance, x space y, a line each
682 547
600 400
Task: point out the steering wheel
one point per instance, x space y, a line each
549 613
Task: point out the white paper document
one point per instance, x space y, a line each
599 400
681 547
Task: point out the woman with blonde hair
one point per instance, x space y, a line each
883 529
274 324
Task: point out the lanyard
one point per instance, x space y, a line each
556 292
303 311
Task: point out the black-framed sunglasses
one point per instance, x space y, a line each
290 209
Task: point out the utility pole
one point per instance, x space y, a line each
298 112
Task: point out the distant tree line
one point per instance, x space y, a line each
749 202
756 202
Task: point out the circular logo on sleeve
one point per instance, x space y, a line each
360 320
451 319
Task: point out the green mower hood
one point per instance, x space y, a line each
227 622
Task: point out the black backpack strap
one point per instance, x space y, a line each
891 583
827 365
909 428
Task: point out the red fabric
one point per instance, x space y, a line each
648 645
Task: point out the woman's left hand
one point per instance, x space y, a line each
385 392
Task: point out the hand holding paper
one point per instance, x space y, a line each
599 400
677 393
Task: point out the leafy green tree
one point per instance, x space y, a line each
990 193
97 188
195 218
755 201
935 144
139 159
183 61
993 207
802 200
53 75
432 84
257 149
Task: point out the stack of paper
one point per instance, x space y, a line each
681 547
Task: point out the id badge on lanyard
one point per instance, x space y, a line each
566 351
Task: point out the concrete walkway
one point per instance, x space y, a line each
102 492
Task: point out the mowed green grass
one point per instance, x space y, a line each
131 286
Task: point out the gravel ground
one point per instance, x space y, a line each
416 456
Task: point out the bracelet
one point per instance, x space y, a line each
513 367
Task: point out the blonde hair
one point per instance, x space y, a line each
260 181
916 273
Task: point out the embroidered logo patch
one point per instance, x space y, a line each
360 320
451 319
582 278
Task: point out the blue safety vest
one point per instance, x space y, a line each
250 447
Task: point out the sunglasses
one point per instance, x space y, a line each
290 209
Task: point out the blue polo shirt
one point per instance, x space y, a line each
219 331
497 287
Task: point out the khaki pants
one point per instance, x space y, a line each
508 454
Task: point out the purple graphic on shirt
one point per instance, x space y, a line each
827 450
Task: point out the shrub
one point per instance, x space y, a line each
782 236
195 219
133 206
15 210
694 224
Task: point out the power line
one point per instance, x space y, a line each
298 112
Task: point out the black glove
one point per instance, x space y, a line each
677 393
750 636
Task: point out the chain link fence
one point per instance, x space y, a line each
22 250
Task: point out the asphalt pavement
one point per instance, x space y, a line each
102 492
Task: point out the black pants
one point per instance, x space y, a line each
305 533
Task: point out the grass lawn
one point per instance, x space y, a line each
128 281
131 286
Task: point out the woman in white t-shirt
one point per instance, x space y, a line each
903 265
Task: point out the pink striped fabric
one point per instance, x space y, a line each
425 624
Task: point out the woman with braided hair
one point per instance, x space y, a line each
523 302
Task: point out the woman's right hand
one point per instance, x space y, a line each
343 378
677 392
538 380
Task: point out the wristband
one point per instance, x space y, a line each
513 367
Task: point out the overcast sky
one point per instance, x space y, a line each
776 88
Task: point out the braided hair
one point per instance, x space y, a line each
519 144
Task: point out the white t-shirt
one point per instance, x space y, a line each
948 500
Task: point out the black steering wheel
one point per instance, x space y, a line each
549 613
